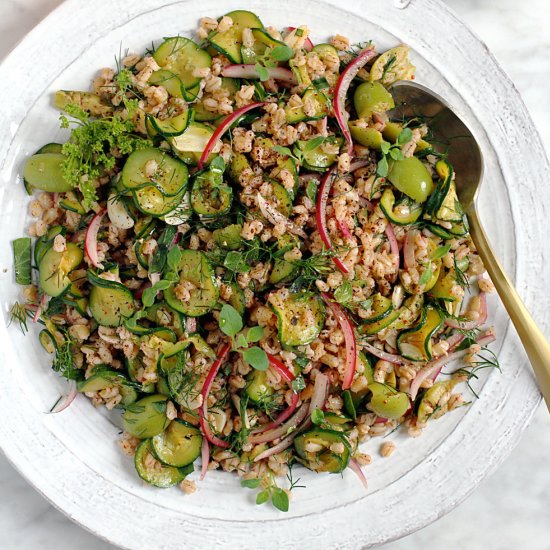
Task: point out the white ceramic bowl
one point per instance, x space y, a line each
72 457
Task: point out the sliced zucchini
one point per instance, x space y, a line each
201 114
228 237
229 42
54 268
257 387
338 422
132 366
288 164
383 315
431 397
319 107
210 196
190 145
405 212
103 378
239 163
283 271
182 56
178 445
392 65
170 81
323 50
47 340
317 159
415 343
173 126
164 315
325 459
44 171
154 472
280 198
93 104
237 299
409 312
147 417
194 268
170 177
111 303
301 316
443 288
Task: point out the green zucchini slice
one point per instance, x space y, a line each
44 171
154 472
415 343
407 212
210 196
147 417
325 459
111 303
103 378
301 316
178 445
54 268
195 268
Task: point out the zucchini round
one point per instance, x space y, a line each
325 459
178 445
147 417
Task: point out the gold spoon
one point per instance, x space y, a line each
465 156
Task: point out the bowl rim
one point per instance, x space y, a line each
539 172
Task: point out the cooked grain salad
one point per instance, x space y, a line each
240 249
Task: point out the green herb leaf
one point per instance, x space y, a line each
283 150
302 361
255 334
241 341
279 498
321 84
317 416
22 260
313 143
235 261
173 258
405 136
311 190
298 384
426 276
282 53
441 251
253 483
396 154
256 357
149 294
262 497
344 293
263 73
385 147
230 320
382 169
217 165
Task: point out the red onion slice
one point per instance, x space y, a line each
349 337
318 398
394 247
354 465
66 400
205 457
222 128
267 436
391 358
282 74
359 163
343 226
341 91
321 216
223 354
44 299
433 368
469 325
90 242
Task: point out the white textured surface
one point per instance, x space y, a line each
507 515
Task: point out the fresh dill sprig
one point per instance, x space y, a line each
63 362
461 277
488 361
20 313
290 476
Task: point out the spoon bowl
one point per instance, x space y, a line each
453 137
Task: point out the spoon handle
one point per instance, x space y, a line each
532 338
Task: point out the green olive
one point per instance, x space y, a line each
388 402
369 137
411 177
370 98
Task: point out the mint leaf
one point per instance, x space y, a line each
263 73
382 169
149 294
385 147
311 190
426 276
230 321
253 483
173 258
255 334
22 260
344 293
405 136
217 165
441 251
298 384
279 498
262 496
241 341
256 358
283 150
396 154
313 143
282 53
